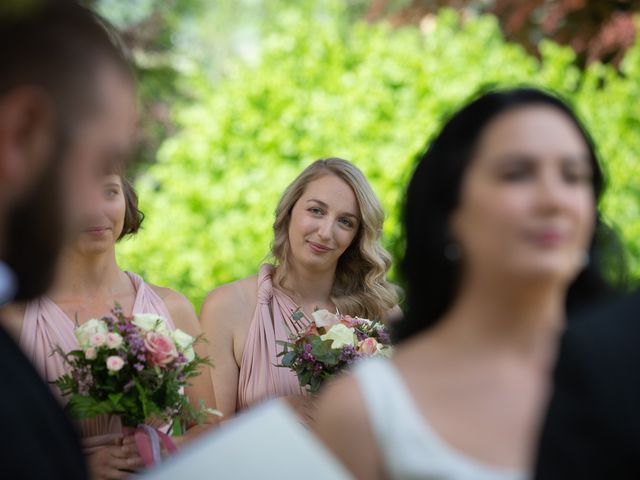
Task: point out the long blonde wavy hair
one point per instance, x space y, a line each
360 287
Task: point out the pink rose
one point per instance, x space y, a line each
161 348
115 363
98 339
90 353
369 346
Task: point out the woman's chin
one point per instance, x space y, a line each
552 271
94 247
316 262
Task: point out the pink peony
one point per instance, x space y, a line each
115 363
369 346
98 339
161 348
90 353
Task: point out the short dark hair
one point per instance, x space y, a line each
432 280
133 216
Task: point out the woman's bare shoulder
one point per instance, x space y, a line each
341 422
232 302
173 299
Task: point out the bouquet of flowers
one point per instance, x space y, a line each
329 344
133 367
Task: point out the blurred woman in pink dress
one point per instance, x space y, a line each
89 281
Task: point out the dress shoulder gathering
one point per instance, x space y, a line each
260 378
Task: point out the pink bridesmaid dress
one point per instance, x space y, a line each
259 378
46 326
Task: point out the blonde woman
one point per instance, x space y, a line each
328 256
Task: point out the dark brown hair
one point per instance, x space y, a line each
133 216
430 277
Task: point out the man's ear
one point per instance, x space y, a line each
26 139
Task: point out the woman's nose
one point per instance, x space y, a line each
324 230
553 191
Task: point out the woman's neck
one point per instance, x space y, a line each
87 276
524 318
310 288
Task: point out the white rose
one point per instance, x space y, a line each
115 363
114 340
90 353
88 329
341 336
384 351
151 322
98 339
325 319
184 342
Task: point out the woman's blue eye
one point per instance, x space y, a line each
315 211
346 222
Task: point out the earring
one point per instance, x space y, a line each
452 252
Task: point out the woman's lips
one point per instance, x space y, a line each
97 231
549 238
318 248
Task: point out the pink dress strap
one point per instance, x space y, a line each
148 301
259 377
46 326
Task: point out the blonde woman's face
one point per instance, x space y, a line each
527 203
324 222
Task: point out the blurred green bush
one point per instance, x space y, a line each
325 86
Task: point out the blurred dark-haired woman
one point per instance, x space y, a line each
501 220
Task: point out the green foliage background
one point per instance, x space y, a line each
325 85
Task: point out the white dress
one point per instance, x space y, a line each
410 448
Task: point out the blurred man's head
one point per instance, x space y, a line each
66 115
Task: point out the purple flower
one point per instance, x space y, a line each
84 380
384 337
138 366
361 335
136 344
349 354
307 356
